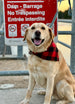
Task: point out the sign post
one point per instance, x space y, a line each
20 14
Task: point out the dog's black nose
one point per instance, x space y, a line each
37 33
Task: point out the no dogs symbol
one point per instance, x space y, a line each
23 28
12 29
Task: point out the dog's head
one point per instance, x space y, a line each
38 36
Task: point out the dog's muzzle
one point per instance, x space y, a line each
37 40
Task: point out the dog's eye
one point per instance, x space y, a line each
43 28
33 28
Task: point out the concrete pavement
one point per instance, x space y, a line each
15 96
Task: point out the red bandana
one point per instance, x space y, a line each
50 54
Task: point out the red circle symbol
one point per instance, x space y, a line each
24 27
12 28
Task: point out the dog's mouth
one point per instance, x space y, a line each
37 41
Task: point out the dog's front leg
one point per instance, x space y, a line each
29 91
49 89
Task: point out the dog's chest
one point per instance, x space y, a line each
40 79
38 69
37 65
39 75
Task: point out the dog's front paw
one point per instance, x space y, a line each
59 102
46 103
43 92
62 102
25 101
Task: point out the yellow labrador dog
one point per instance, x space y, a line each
51 73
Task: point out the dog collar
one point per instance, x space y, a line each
50 54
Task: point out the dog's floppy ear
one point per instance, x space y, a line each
25 34
51 34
